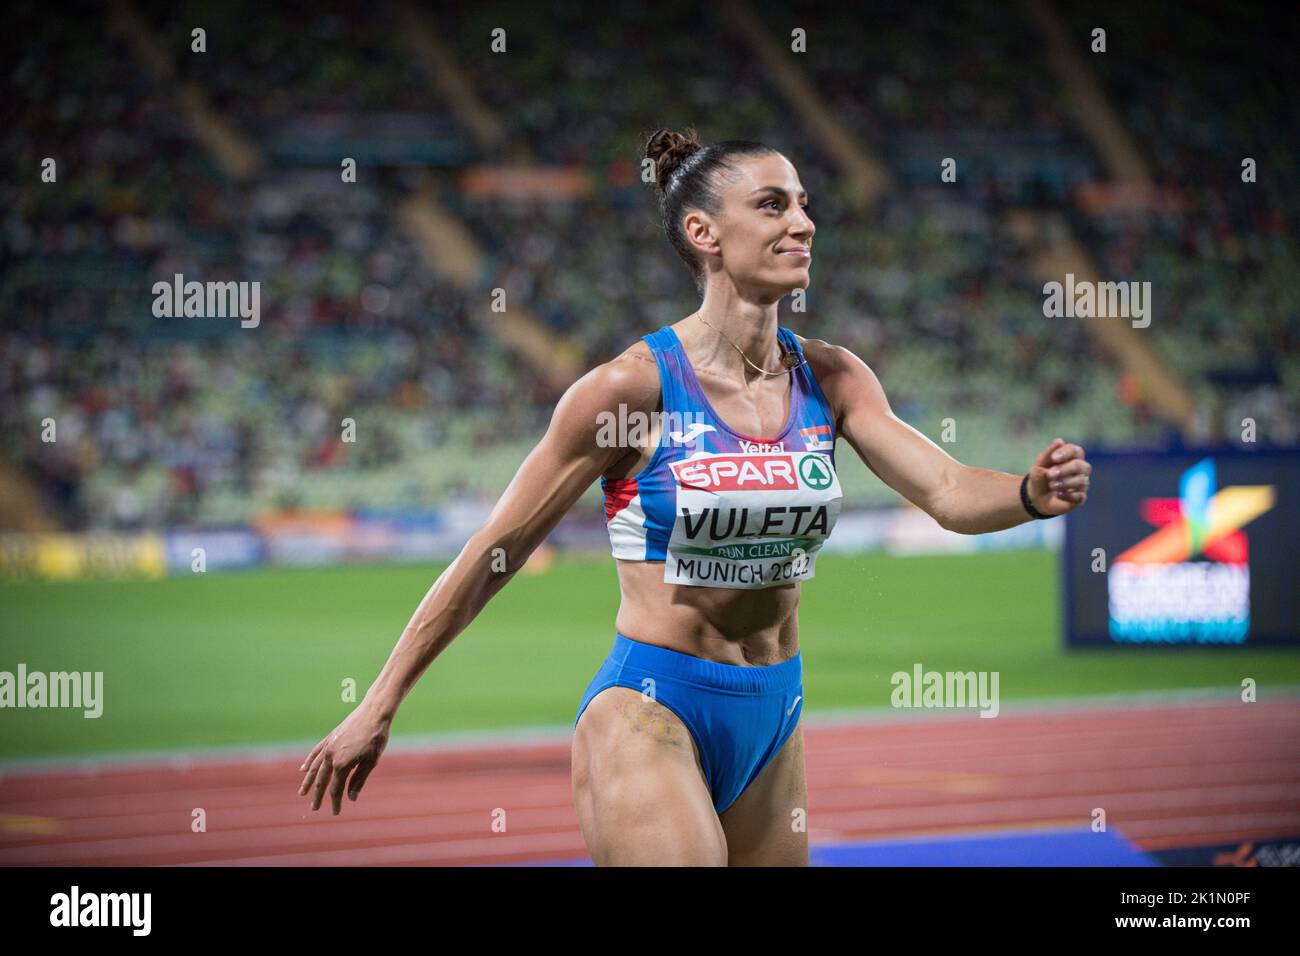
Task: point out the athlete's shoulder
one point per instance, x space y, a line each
631 376
826 358
842 375
630 379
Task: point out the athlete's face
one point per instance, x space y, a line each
764 234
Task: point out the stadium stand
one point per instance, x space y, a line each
171 421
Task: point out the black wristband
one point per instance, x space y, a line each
1024 498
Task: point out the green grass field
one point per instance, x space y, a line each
258 657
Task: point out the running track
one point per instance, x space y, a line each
1169 774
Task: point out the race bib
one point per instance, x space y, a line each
750 520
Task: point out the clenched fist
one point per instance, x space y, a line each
1058 482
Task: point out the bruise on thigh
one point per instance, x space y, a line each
655 722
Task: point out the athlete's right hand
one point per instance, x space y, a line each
353 747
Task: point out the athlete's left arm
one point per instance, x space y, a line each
959 497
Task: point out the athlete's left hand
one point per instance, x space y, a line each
1058 482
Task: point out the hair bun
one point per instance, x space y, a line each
669 150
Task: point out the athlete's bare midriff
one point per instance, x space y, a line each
746 627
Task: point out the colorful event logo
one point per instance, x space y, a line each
1190 580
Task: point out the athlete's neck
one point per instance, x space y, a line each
748 326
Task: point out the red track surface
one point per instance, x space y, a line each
1167 775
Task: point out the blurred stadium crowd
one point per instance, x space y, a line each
197 421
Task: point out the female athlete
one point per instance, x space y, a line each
687 748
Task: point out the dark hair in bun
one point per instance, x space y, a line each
684 175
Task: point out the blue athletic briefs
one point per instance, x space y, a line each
739 716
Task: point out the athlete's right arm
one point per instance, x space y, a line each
570 456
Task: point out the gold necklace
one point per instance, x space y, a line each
789 360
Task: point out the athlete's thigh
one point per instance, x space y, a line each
638 787
767 825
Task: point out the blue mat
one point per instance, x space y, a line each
1073 847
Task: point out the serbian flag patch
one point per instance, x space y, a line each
818 438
